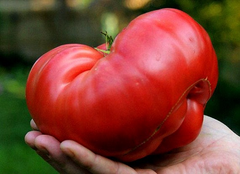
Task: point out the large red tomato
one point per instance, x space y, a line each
147 96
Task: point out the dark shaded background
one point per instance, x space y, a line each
29 28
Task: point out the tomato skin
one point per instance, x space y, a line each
146 97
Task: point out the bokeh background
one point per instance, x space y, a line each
29 28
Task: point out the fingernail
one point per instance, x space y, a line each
44 154
69 153
43 150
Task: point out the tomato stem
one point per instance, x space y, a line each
109 41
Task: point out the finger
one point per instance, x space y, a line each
49 149
30 138
33 125
46 143
35 140
94 163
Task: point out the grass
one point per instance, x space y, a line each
15 156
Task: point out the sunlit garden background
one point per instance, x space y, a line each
29 28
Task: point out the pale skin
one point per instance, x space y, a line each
215 151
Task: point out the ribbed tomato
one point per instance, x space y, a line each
146 96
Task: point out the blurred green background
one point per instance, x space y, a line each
29 28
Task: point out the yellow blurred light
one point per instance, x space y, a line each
135 4
73 3
38 5
78 4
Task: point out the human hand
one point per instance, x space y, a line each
216 150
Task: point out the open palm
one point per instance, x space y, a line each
216 150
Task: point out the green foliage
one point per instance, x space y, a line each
15 156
